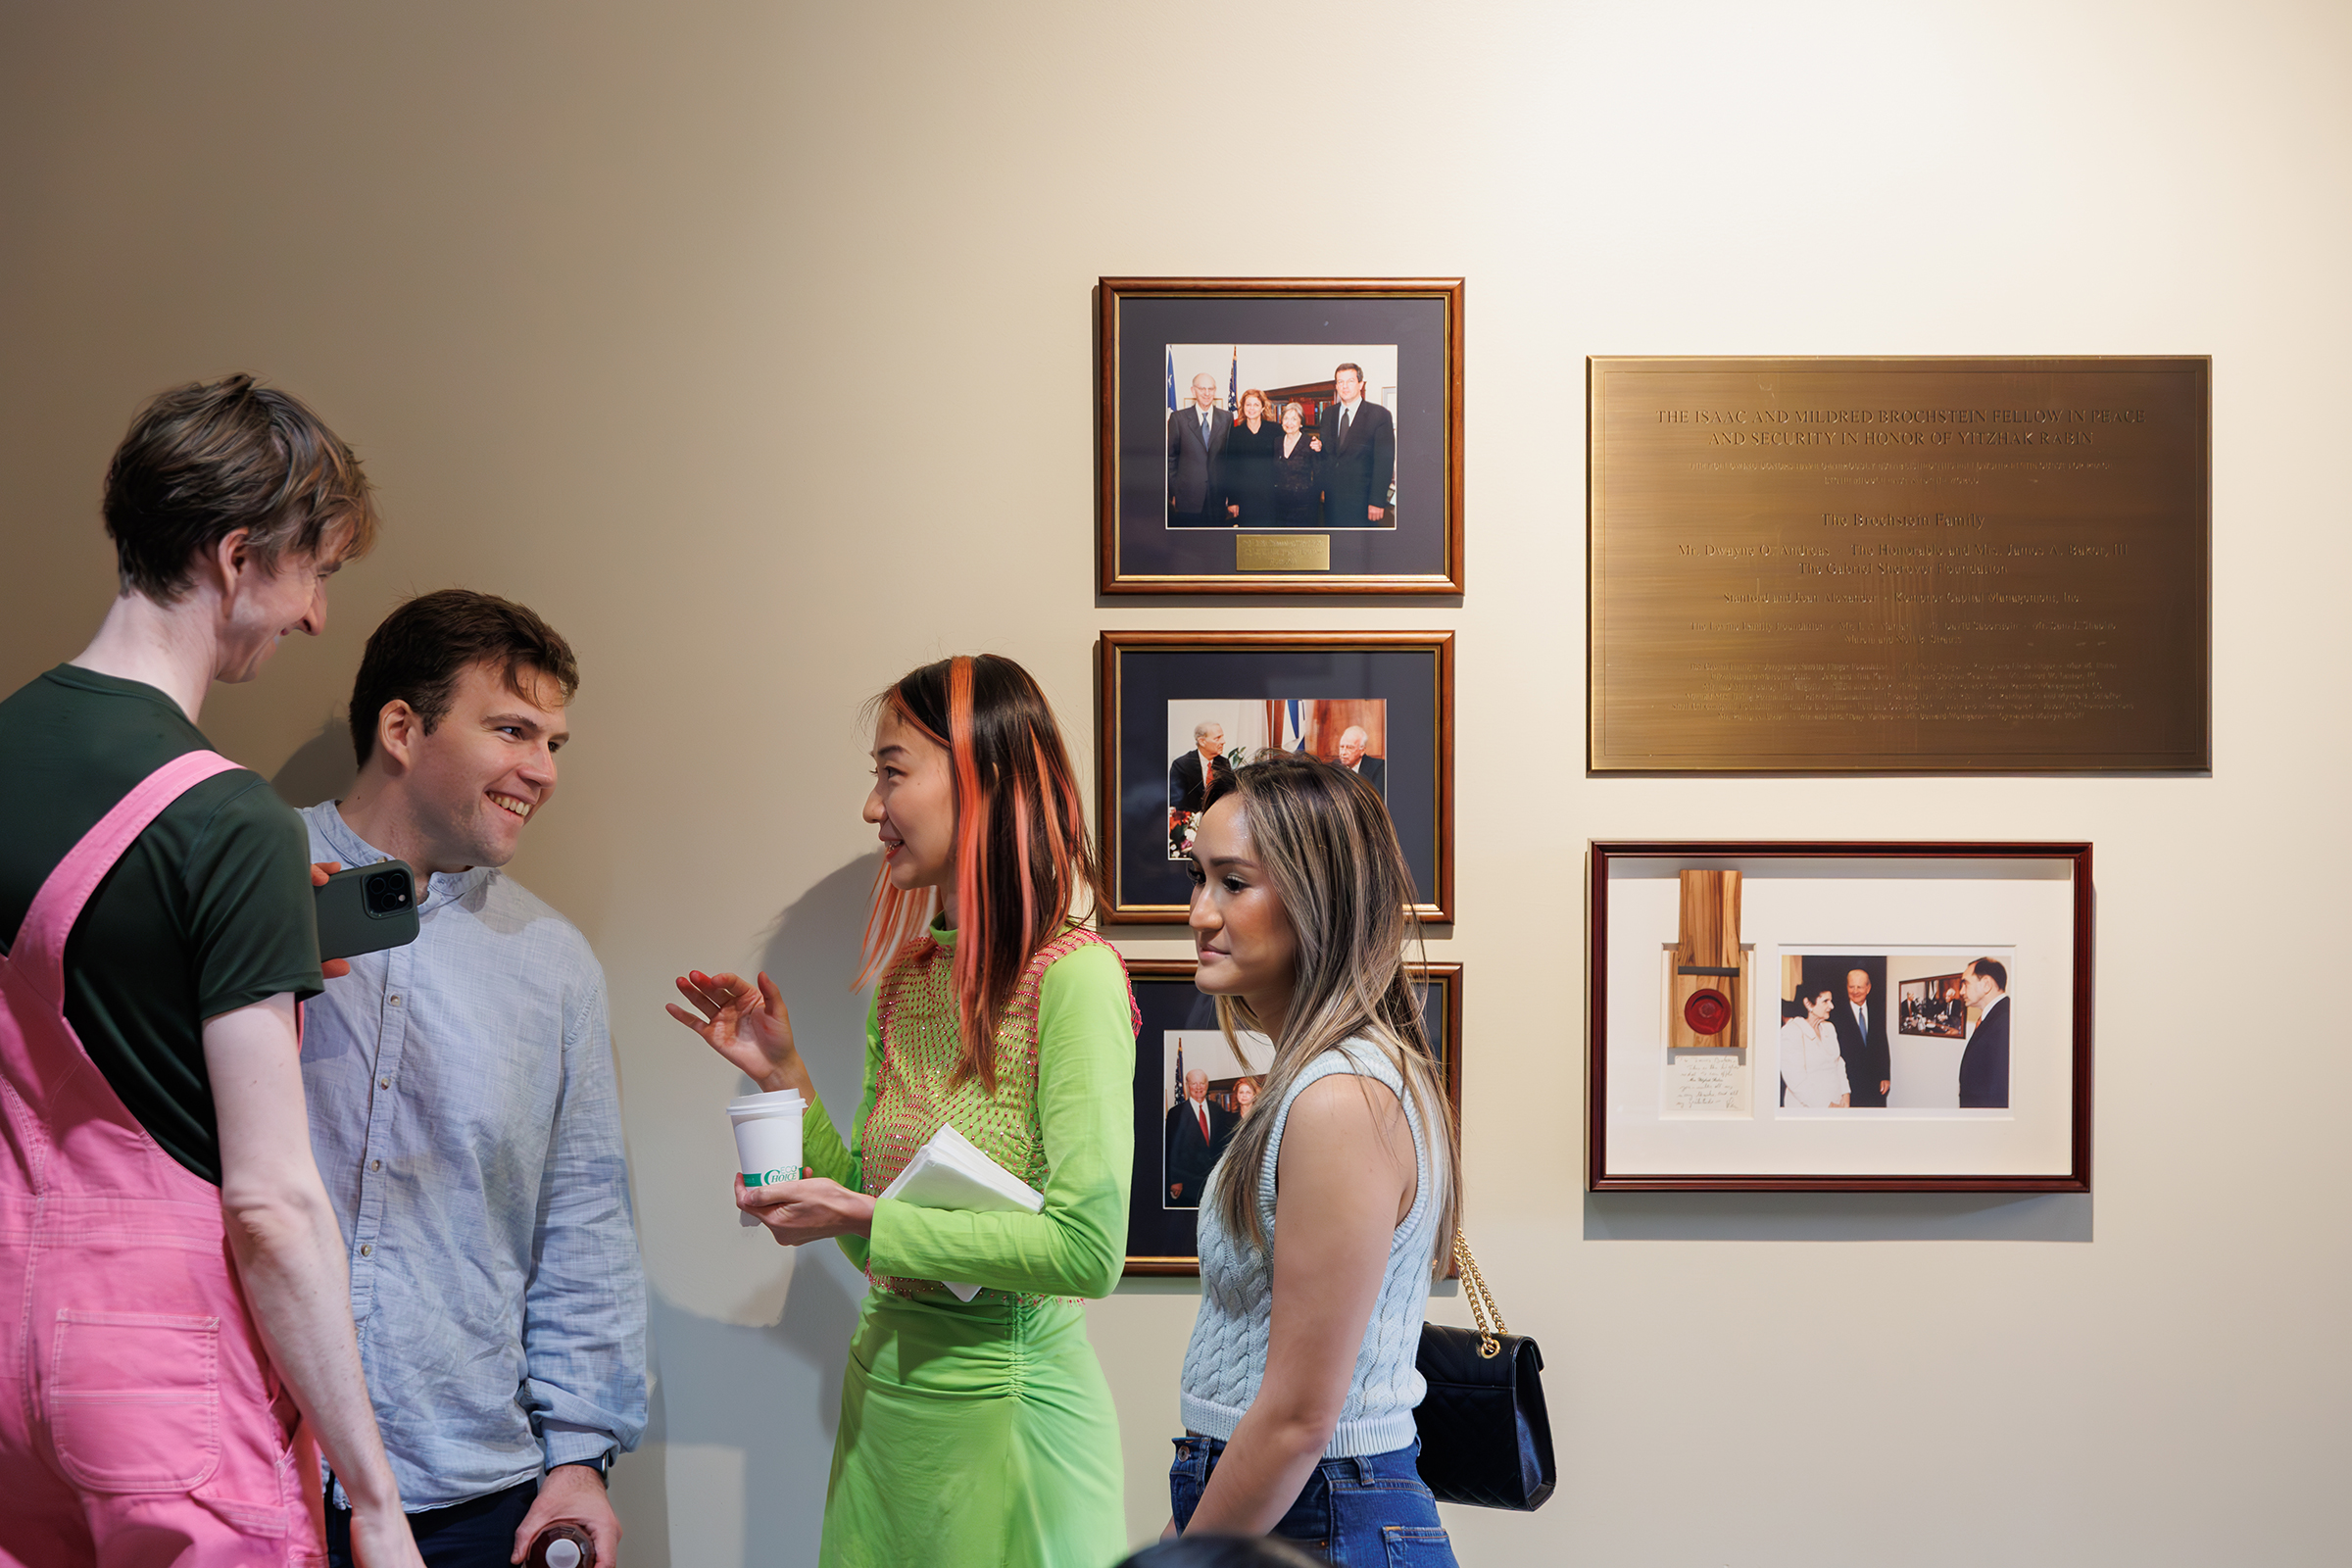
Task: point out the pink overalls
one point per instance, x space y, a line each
141 1423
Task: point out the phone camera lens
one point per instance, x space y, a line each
387 893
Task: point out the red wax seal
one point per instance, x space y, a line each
1706 1013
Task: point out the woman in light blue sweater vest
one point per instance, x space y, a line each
1298 1384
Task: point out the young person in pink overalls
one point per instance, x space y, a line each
173 1294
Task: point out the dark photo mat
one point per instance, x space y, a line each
1139 318
1142 671
1166 1241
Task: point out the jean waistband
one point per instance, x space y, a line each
1364 1469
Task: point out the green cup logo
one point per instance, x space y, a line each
766 1178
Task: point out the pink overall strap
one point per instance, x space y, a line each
38 955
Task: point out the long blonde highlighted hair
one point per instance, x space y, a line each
1324 838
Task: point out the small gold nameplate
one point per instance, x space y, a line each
1282 552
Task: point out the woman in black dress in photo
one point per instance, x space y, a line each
1247 466
1298 472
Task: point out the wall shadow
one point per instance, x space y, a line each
320 768
1838 1217
639 1487
772 1390
811 954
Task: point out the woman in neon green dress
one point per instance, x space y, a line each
982 1431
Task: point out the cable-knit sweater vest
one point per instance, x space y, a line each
1226 1360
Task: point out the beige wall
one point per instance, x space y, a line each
673 321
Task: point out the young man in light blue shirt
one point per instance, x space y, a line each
463 1106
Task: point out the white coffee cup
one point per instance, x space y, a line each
768 1136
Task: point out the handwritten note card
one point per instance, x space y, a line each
1706 1083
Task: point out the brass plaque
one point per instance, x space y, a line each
1282 552
1942 565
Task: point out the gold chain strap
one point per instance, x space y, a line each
1483 1310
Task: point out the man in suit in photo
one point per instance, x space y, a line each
1374 770
1984 1064
1199 1129
1196 437
1192 774
1862 1042
1360 455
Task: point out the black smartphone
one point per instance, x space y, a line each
366 908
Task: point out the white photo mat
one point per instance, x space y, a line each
2020 911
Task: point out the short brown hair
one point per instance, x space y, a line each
418 654
203 460
1351 364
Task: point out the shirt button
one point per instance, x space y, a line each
384 1083
396 1002
375 1164
366 1248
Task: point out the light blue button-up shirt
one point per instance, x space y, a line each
467 1122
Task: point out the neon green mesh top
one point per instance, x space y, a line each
1061 1118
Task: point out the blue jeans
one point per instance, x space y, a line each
1369 1513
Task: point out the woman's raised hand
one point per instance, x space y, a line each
745 1024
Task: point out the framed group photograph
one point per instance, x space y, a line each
1182 710
1280 435
1193 1090
1826 1016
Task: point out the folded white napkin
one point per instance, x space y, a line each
951 1172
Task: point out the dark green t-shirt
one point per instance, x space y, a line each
207 911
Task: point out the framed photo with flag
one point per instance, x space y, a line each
1194 1089
1279 435
1182 710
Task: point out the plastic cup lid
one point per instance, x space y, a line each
771 1100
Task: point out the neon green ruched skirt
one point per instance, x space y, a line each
973 1435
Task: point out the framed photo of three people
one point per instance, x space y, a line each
1279 435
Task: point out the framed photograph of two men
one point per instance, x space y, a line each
1193 1091
1182 710
1280 435
1900 564
1840 1016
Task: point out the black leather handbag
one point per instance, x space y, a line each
1485 1439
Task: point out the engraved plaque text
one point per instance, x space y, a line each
1899 564
1282 552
